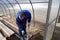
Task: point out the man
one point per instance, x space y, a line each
22 17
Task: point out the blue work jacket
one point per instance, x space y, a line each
22 23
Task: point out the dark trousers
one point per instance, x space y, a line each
20 31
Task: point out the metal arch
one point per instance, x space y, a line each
33 12
2 10
11 5
4 7
18 4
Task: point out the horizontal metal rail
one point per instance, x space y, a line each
29 2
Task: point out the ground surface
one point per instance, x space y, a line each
37 34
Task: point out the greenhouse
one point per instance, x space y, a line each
45 19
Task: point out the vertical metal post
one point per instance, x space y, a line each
33 13
47 18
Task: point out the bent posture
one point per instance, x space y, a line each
22 17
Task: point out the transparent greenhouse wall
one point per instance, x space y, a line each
40 12
52 19
56 33
54 11
49 31
40 15
1 12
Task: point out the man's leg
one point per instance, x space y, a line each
20 33
24 30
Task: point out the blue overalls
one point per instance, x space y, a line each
22 23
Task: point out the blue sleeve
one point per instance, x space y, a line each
29 18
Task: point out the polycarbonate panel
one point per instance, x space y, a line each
54 10
4 6
56 34
16 9
11 1
40 0
40 12
9 9
1 12
5 1
50 30
26 1
23 1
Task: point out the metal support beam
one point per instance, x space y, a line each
29 3
33 13
47 20
12 7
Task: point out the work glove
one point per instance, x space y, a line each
22 32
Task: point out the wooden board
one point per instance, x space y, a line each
5 30
32 30
2 37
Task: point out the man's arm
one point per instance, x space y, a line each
29 20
